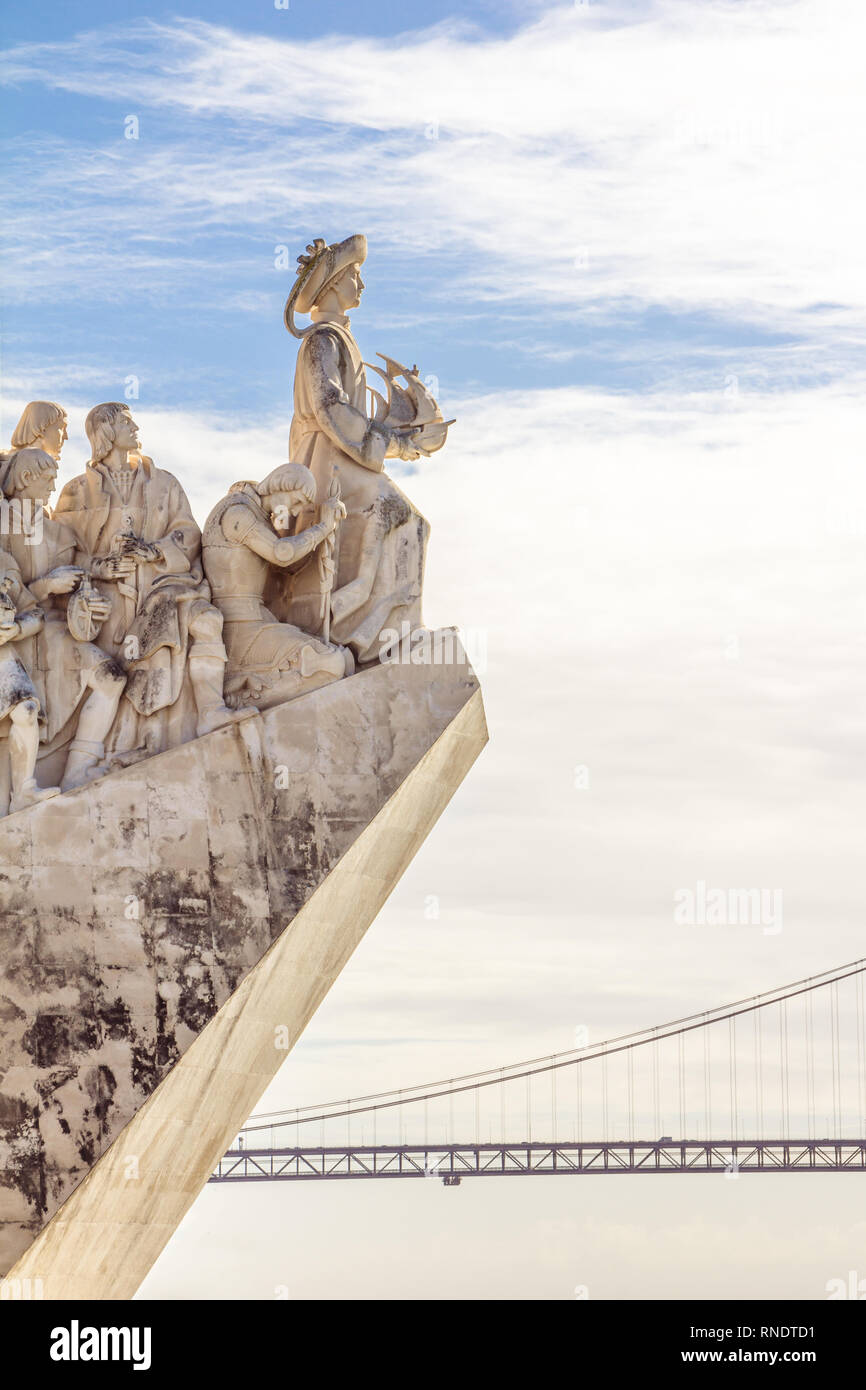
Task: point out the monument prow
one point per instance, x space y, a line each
167 934
234 798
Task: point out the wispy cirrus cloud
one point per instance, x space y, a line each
603 158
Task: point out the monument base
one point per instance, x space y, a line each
259 854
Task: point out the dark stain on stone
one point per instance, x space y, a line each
47 1085
127 830
100 1084
394 511
58 1036
196 1005
144 1069
14 1111
161 618
9 1010
297 862
24 1161
167 1050
116 1019
113 669
26 1173
163 890
15 684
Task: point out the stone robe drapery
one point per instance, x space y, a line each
383 539
154 605
16 656
59 665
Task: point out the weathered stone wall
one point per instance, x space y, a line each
132 909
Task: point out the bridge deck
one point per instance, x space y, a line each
453 1162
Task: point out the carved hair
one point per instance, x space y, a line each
289 477
36 418
34 461
100 428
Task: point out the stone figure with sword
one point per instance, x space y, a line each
252 555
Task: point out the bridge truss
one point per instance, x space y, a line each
758 1073
451 1163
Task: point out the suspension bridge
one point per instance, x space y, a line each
772 1083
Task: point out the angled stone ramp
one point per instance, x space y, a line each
133 1047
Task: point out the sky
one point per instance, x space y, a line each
625 240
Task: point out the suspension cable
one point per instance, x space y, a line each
384 1100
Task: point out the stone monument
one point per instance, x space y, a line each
243 773
382 542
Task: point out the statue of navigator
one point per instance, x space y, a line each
245 547
137 535
382 542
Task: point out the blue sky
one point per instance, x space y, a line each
389 18
627 238
554 195
207 341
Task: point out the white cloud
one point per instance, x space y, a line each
700 157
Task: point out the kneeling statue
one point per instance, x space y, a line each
245 538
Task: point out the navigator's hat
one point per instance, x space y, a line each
318 268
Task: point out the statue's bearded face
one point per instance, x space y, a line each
283 508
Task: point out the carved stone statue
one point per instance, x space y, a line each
381 548
66 667
42 426
245 539
137 535
309 568
20 621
